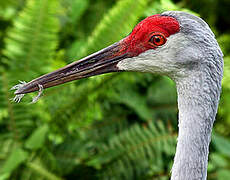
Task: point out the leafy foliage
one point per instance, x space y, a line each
117 18
143 146
116 126
28 45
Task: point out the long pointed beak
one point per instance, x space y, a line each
101 62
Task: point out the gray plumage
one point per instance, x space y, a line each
198 97
193 59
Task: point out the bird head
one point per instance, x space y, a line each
169 43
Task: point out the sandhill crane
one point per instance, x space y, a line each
180 46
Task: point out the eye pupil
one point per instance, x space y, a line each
157 39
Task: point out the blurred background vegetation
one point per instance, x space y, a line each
114 126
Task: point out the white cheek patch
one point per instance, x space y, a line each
159 60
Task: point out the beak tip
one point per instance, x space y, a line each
17 92
19 88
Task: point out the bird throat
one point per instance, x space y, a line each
198 97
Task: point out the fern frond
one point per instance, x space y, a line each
31 42
42 171
29 46
135 152
116 24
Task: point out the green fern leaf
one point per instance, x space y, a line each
135 150
31 42
116 24
29 46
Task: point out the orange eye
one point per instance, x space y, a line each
157 39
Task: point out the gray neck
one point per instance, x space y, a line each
198 97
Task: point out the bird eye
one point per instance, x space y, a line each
157 39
